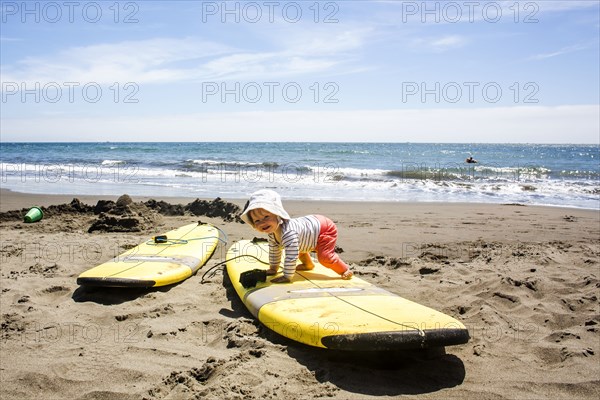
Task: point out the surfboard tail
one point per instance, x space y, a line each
397 340
116 282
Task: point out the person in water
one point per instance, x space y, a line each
297 236
470 160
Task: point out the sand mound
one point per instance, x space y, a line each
123 216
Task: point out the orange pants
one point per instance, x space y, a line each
326 246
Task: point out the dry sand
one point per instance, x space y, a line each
524 280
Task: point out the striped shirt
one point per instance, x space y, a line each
298 235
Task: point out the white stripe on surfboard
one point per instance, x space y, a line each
327 290
255 299
188 261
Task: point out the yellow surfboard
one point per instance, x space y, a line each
168 259
319 309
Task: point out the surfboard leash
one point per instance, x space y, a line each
164 240
219 267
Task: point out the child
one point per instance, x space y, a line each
298 236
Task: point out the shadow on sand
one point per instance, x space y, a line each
381 373
114 295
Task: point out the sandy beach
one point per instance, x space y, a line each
525 280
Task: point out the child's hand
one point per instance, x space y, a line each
280 279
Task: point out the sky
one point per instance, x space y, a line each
362 71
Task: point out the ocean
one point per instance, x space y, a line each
534 174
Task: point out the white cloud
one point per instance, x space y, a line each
163 60
438 44
561 124
560 52
447 42
557 5
138 61
323 42
261 66
9 39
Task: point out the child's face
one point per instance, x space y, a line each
264 221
